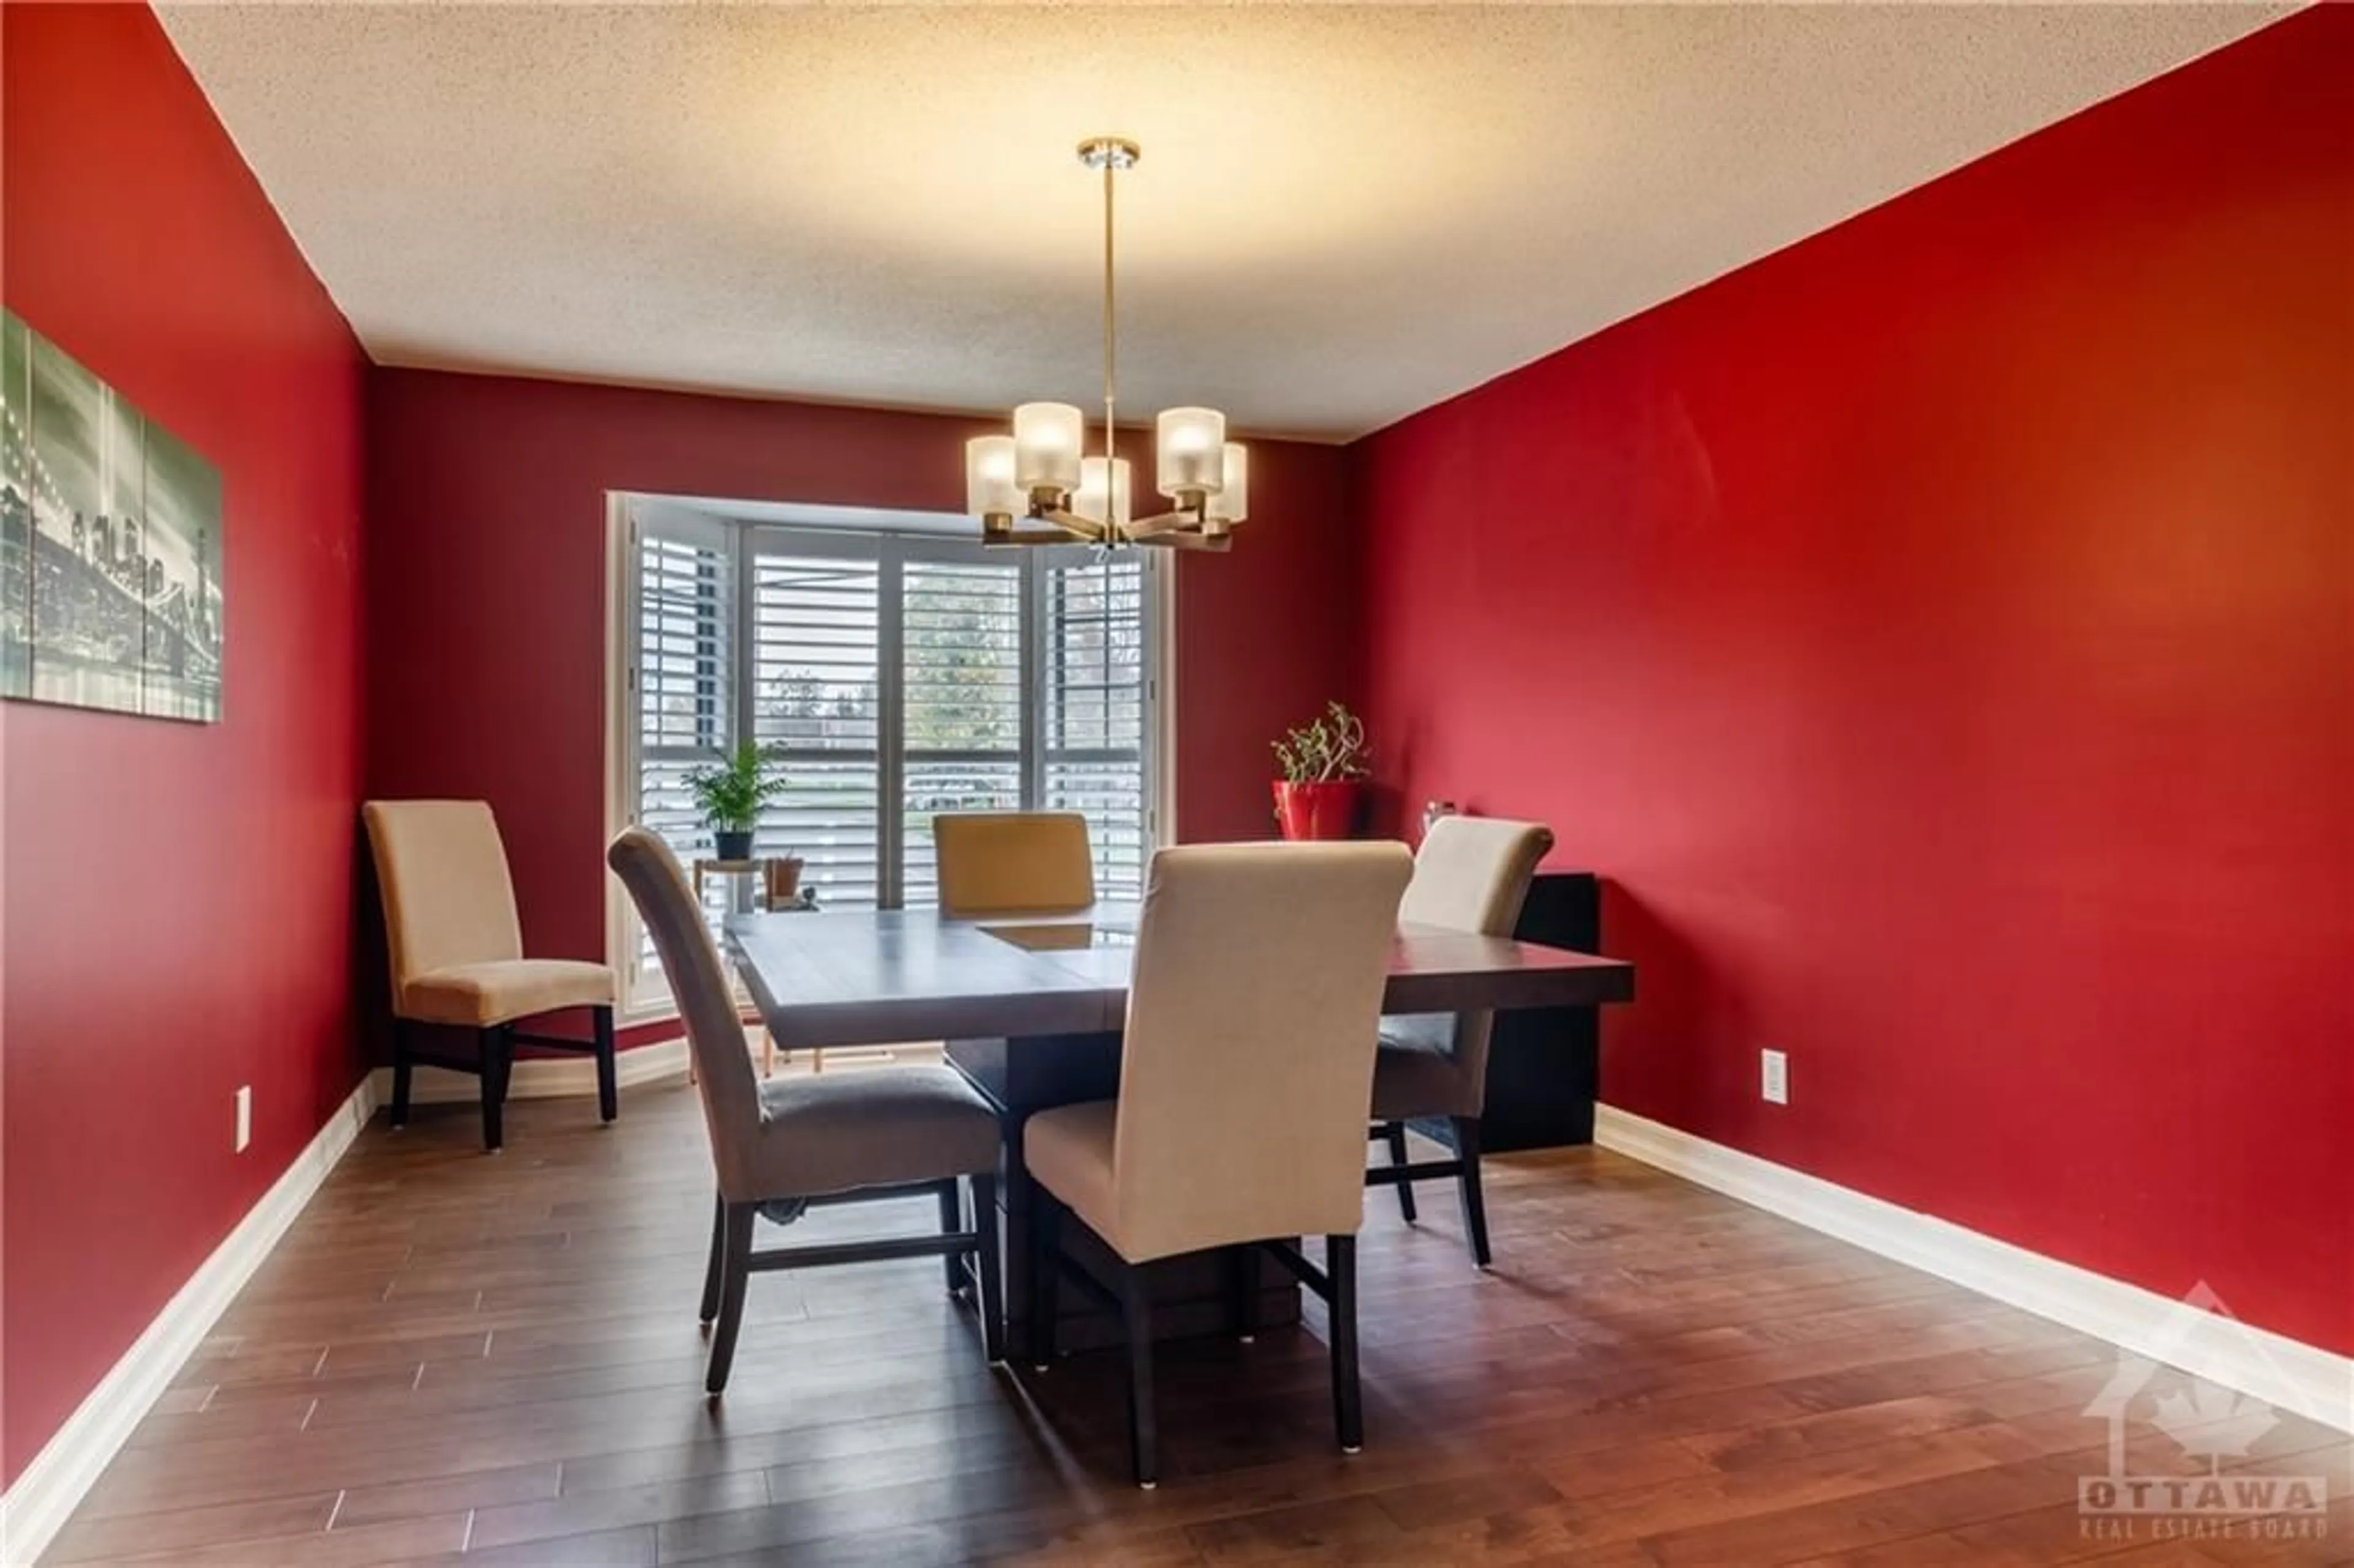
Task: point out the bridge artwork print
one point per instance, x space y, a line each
111 592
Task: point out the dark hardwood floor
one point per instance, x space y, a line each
496 1360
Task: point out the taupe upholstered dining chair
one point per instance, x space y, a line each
1472 874
1245 1069
1013 863
848 1137
457 955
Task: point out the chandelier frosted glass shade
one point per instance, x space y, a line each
1193 452
989 489
1047 441
1231 505
1041 473
1099 501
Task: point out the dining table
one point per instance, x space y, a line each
1028 1008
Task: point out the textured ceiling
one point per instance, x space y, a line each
1344 214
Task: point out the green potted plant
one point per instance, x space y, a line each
731 794
1324 766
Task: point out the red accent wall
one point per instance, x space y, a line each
1941 633
180 897
487 614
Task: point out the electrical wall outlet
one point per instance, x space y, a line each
244 1116
1774 1077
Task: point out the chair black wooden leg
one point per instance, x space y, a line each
953 1221
990 1267
714 1268
1046 1274
498 1056
403 1069
1394 1135
1244 1261
735 1271
950 1194
1348 1405
1475 1204
1143 1429
608 1086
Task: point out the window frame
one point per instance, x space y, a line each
823 532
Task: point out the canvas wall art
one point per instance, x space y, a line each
16 509
110 548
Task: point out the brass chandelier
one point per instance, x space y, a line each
1041 475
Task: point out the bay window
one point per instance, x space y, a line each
893 670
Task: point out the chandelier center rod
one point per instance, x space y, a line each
1111 154
1111 328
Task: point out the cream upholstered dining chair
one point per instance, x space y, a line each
892 1132
1472 874
1245 1069
457 954
1013 863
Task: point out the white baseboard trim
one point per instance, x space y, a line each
540 1078
53 1484
2284 1373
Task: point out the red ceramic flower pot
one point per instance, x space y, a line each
1320 810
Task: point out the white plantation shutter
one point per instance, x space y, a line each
1094 741
684 680
962 713
895 676
685 647
817 698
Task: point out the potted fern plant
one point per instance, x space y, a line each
731 794
1324 766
